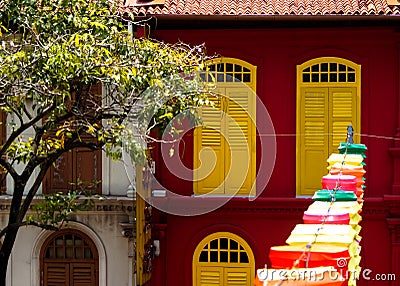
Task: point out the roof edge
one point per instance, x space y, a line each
325 17
174 22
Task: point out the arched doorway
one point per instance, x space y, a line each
69 257
223 258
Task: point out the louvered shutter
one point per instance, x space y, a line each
209 150
207 276
60 175
87 167
239 151
78 164
237 276
324 111
82 165
313 138
229 135
342 102
56 274
82 274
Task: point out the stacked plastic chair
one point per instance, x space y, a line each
328 240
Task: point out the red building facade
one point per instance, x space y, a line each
276 44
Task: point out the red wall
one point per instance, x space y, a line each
276 54
268 221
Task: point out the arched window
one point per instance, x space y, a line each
328 100
225 70
223 258
225 145
69 257
329 71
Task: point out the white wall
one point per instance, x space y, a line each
12 119
114 265
116 176
103 225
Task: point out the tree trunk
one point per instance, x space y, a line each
5 251
12 229
17 213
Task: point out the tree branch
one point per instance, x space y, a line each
25 126
33 190
9 168
22 223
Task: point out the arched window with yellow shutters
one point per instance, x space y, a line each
225 145
328 100
223 258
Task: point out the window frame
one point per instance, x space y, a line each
246 69
70 261
72 161
225 266
336 84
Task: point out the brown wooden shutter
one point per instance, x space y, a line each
60 175
69 274
77 165
56 274
69 258
82 274
87 168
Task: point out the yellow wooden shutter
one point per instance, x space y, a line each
209 150
336 82
326 113
227 138
237 276
314 138
209 276
342 102
228 276
226 174
239 152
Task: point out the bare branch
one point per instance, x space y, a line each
33 223
33 190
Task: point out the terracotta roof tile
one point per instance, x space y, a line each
266 7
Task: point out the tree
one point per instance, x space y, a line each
53 55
